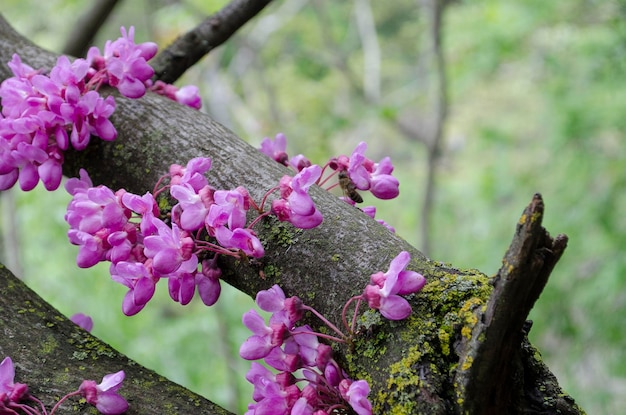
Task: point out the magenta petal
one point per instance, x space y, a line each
410 282
51 173
8 180
395 308
110 403
255 347
112 381
28 177
255 323
144 290
209 290
7 374
271 300
129 307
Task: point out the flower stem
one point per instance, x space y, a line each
325 321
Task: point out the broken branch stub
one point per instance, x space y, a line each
490 375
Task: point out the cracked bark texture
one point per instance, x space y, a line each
419 365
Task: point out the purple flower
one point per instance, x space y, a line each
375 177
264 339
126 63
42 116
104 395
295 205
98 223
299 162
384 291
356 395
169 248
382 184
276 148
146 207
182 283
10 391
140 282
192 173
208 282
284 310
195 205
229 208
83 321
188 95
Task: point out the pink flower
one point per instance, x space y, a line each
265 338
284 310
375 177
10 391
295 205
126 63
168 248
192 173
104 395
384 290
276 149
194 205
356 395
140 282
83 321
208 282
98 223
188 95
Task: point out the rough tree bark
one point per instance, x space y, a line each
438 361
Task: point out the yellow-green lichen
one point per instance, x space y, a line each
272 271
445 306
280 233
467 363
49 345
444 341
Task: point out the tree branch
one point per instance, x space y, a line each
53 356
189 48
87 26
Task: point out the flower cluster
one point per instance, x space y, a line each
356 172
103 395
367 175
43 115
291 349
129 230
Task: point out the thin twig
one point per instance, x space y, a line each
433 144
189 48
85 29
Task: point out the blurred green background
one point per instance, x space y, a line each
537 103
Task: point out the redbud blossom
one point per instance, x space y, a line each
295 205
104 395
9 390
384 290
83 321
276 149
376 177
125 63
